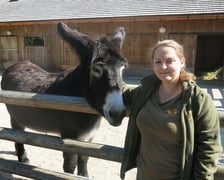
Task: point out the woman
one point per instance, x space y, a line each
173 131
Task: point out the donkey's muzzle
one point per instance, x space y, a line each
116 116
114 110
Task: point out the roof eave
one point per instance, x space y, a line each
118 19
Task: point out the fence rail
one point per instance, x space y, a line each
68 103
101 151
34 172
76 104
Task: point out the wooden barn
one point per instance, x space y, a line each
28 30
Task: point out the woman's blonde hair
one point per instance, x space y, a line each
184 75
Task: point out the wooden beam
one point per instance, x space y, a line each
101 151
34 172
68 103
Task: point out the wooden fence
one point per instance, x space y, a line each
76 104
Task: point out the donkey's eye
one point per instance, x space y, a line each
97 71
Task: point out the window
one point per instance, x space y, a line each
33 40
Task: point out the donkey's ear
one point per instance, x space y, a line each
72 35
81 42
118 37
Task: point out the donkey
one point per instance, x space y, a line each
98 78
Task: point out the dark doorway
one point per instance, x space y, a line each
210 53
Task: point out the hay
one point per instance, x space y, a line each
215 75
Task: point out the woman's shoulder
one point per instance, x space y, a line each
196 88
193 92
199 94
200 91
150 80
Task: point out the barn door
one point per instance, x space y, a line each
35 50
8 51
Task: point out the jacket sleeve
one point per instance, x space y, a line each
207 137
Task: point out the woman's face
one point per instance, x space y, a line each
167 65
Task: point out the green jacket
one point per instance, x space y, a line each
201 142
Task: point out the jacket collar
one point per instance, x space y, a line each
150 83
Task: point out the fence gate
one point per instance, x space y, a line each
77 104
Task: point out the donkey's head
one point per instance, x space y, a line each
101 63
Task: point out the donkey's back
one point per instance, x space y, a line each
28 77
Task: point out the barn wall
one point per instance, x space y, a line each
141 35
46 56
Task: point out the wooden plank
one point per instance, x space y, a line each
101 151
34 172
68 103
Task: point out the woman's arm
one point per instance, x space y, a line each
207 138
